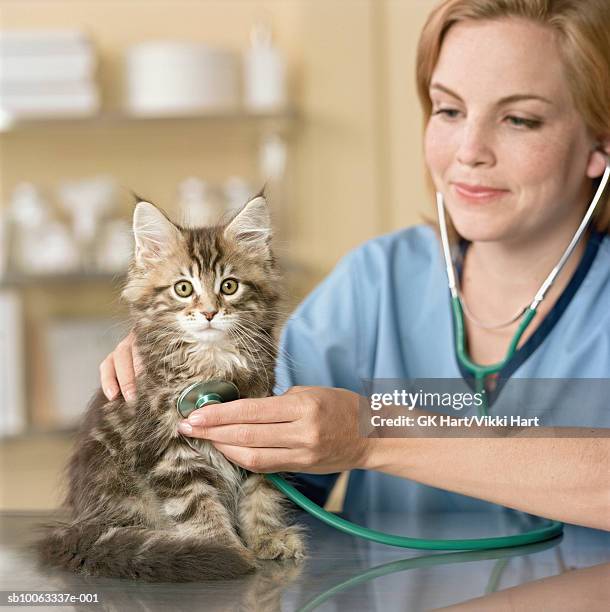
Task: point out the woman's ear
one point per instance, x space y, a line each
597 159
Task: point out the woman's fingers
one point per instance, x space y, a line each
138 365
110 386
277 435
123 363
117 370
274 409
264 460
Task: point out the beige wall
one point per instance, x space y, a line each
356 167
361 165
408 197
356 164
356 149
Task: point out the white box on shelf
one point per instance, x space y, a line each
48 68
75 349
43 41
12 371
49 100
171 77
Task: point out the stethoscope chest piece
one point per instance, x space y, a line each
202 394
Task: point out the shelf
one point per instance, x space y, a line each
28 280
281 119
288 266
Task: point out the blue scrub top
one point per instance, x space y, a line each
384 312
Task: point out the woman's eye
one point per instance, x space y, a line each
229 286
183 288
446 111
522 122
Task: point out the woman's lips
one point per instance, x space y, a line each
475 193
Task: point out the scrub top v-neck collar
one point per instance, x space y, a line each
547 324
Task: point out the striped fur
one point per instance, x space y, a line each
144 504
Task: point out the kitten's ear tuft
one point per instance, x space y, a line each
155 235
251 226
136 197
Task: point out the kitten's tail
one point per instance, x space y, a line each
139 553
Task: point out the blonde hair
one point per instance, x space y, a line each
583 31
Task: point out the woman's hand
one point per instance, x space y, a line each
120 368
308 429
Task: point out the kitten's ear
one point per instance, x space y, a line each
251 226
155 235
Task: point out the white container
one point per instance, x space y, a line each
43 41
75 347
4 243
48 69
115 247
167 77
199 203
12 364
264 73
72 99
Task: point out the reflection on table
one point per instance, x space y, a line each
344 573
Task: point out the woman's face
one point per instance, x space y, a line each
535 149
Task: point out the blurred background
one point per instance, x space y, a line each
192 105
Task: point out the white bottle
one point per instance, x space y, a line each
115 247
199 205
42 244
29 213
87 201
264 73
4 243
237 191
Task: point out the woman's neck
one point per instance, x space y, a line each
514 272
515 269
499 280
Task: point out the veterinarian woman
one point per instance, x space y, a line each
516 99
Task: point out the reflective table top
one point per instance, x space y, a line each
571 572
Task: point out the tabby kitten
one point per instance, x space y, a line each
147 503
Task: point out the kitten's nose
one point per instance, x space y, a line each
209 315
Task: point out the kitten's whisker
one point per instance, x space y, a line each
291 363
241 344
257 359
269 350
277 350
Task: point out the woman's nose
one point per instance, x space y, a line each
475 145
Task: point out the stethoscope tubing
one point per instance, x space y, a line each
551 530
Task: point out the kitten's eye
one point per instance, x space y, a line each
229 286
183 288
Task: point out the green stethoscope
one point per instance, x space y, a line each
202 394
480 372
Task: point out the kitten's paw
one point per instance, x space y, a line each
287 543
